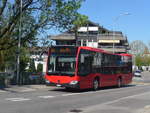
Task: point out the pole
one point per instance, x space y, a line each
87 32
76 35
19 45
113 39
114 22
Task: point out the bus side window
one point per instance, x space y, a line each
82 67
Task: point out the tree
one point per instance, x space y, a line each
36 16
137 47
7 59
141 53
40 67
138 60
32 66
24 60
1 61
80 20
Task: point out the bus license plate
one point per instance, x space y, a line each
58 85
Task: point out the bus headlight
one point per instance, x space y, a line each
73 82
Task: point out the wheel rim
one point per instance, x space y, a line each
119 82
95 84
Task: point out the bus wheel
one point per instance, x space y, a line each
95 84
119 82
68 88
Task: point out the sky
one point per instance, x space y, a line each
135 25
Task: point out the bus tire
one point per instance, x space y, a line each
68 88
95 84
119 82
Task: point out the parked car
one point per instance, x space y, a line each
137 73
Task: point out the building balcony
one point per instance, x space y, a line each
115 50
111 46
110 37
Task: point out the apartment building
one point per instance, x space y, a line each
94 35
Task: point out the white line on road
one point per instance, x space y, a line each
99 106
1 91
17 99
48 96
26 90
82 93
70 94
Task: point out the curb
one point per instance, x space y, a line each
23 88
140 83
146 109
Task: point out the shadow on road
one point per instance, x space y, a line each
87 90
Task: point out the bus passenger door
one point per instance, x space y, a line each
85 72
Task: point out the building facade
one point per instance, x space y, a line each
94 35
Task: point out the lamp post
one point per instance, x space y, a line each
114 22
19 45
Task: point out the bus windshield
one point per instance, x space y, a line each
61 64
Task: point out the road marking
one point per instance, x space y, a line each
48 96
1 91
127 97
71 94
17 99
90 109
26 90
82 93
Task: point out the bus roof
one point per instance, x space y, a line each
125 54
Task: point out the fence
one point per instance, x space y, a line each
5 78
27 78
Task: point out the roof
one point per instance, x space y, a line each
89 23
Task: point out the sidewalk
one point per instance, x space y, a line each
146 109
23 88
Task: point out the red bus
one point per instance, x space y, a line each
86 67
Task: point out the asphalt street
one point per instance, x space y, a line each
129 99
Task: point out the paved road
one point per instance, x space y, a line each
129 99
146 77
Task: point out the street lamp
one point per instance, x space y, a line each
19 45
114 22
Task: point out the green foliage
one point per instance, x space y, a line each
31 21
7 59
31 66
40 67
2 61
24 60
141 53
138 61
80 20
35 17
142 60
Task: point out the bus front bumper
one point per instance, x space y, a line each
67 85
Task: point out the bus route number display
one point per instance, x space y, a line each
62 50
